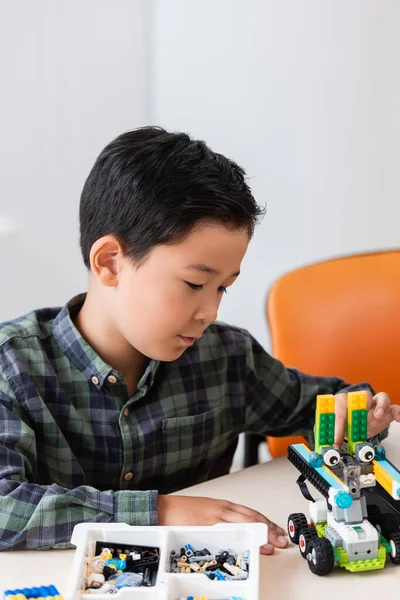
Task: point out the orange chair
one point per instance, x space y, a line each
340 317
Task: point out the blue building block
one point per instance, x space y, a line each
46 592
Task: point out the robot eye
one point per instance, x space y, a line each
366 454
331 458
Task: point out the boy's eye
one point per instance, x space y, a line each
194 286
197 287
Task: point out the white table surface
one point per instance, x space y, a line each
269 488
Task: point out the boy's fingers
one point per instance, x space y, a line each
257 517
382 405
242 514
340 420
231 516
395 412
378 407
267 549
277 540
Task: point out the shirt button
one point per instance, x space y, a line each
112 379
95 380
128 476
126 412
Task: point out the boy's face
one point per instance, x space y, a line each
165 304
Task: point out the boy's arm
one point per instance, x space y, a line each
34 516
281 401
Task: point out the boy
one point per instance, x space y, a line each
132 391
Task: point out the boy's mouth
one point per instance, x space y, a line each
189 341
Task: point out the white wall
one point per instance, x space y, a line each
305 95
74 74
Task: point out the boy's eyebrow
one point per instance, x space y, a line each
206 269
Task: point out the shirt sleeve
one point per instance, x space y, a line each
34 516
281 401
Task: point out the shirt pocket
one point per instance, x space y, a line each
195 441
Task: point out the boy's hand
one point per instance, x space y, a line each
192 510
380 414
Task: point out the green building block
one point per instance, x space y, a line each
385 543
320 527
340 556
326 429
359 425
367 565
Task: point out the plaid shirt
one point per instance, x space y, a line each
75 447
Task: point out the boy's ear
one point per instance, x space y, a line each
105 260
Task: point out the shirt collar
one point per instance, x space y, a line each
82 355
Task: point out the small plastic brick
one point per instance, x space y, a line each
105 553
182 564
233 570
219 575
213 567
209 565
107 588
315 459
201 557
380 452
96 580
343 499
188 550
128 580
97 565
118 563
238 577
109 571
223 556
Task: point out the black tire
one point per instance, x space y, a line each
394 540
320 557
306 535
387 524
296 522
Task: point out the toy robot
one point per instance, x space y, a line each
357 523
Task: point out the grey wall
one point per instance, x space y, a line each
305 96
73 76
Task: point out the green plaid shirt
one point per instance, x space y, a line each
75 447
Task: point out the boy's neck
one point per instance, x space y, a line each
109 344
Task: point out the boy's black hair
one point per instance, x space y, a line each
151 187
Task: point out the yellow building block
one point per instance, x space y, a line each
383 477
324 421
356 401
325 404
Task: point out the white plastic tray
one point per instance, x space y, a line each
171 586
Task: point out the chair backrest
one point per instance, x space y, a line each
341 317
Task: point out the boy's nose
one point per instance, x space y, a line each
207 313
